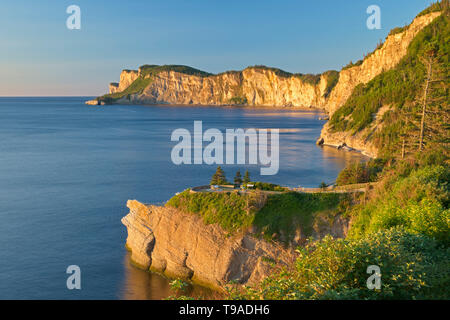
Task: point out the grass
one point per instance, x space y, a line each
146 74
332 80
397 30
284 213
312 79
412 267
135 88
151 70
275 216
436 6
238 100
232 211
397 87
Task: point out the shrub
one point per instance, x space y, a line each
267 186
359 172
332 80
238 100
412 267
232 211
284 213
417 202
397 88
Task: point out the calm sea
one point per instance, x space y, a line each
67 170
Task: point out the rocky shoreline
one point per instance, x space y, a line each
180 245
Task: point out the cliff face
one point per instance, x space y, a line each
180 245
127 77
382 59
255 86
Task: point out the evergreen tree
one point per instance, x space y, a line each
427 120
238 179
218 177
246 177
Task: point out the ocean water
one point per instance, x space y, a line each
67 170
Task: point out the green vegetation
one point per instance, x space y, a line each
151 70
436 6
275 216
238 100
399 88
284 213
412 267
246 177
358 172
267 186
146 74
416 199
307 78
323 185
238 179
312 79
231 210
136 87
351 64
278 72
402 225
332 80
218 177
397 30
178 285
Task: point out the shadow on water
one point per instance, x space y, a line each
145 285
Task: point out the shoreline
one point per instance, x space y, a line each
318 110
243 106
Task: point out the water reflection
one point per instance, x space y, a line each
142 285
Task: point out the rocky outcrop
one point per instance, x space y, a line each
95 102
252 86
180 245
385 58
349 141
113 87
262 86
127 77
256 86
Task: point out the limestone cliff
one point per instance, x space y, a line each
385 58
180 245
263 86
254 86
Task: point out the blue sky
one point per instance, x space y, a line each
39 56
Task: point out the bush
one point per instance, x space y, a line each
232 211
332 80
238 100
267 186
359 172
397 88
284 213
412 267
275 216
418 202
